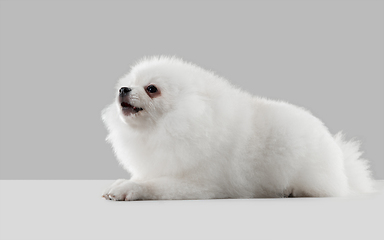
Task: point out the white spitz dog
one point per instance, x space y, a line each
186 133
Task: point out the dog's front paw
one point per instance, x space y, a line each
124 190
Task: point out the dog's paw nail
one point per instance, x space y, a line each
106 197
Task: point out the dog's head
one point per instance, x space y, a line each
155 89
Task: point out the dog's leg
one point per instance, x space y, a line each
162 189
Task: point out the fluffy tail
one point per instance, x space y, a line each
357 169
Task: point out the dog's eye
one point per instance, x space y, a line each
151 89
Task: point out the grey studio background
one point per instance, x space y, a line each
60 60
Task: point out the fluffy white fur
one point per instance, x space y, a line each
204 138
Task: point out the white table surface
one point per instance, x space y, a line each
68 209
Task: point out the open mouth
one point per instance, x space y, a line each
129 109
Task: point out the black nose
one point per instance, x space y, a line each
124 91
